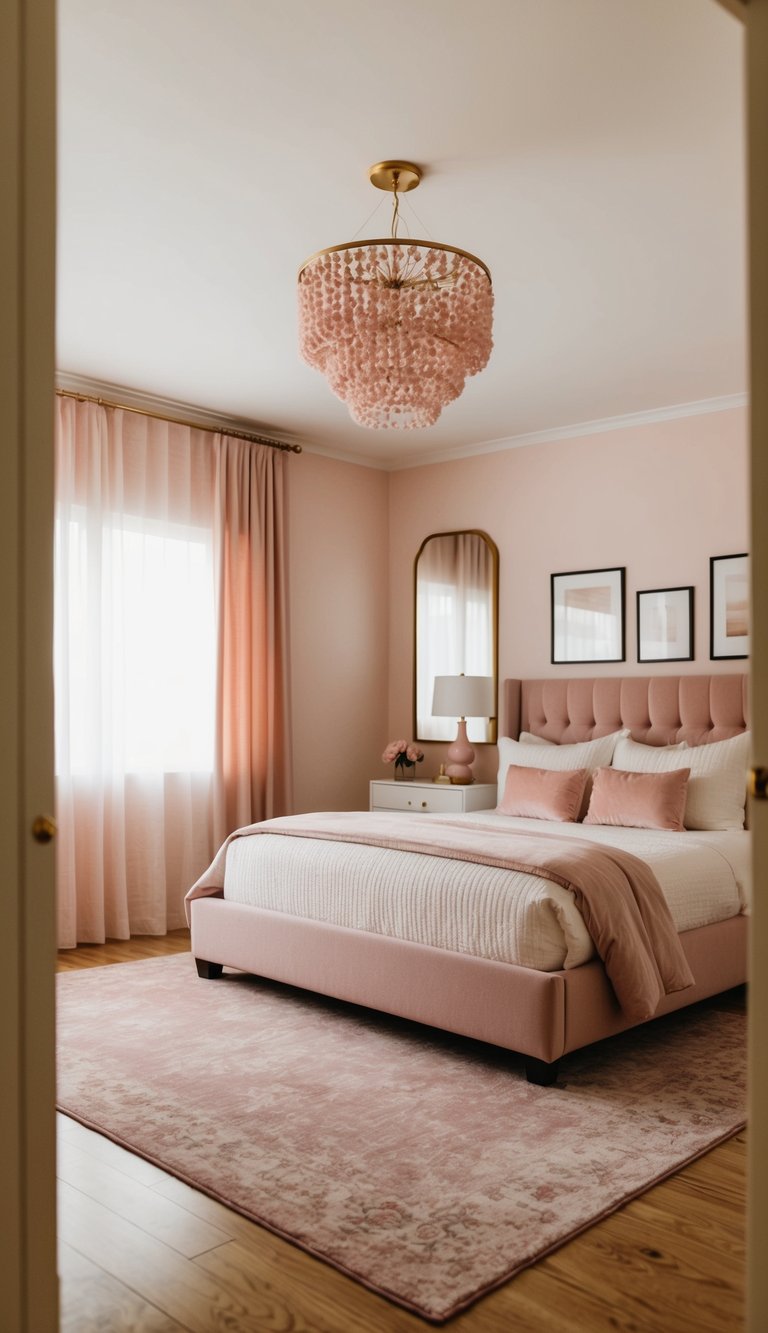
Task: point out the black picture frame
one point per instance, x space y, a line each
672 609
587 609
729 607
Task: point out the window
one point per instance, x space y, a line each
135 645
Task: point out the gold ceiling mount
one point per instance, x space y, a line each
395 176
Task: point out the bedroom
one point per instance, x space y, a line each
367 509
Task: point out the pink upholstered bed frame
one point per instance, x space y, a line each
542 1015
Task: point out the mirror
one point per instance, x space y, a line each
456 602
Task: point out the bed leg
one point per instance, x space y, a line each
208 971
540 1072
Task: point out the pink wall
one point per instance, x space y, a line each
338 597
659 499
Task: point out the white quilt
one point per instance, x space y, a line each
504 915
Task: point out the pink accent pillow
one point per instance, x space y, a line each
543 793
639 800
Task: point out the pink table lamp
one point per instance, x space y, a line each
462 697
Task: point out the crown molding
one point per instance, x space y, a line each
210 420
703 407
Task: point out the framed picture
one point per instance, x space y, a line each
729 606
588 616
665 625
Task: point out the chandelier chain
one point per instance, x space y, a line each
395 213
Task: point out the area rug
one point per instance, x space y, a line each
420 1164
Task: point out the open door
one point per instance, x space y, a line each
28 1284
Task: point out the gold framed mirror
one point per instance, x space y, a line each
456 625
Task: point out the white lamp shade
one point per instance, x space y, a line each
463 696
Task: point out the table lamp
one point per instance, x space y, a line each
462 697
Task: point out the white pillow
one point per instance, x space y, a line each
717 786
527 754
528 738
637 746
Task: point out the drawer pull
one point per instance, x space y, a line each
423 805
410 802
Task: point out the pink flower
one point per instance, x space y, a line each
404 754
393 750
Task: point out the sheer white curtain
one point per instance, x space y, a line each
149 665
454 624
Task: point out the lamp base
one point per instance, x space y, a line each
460 755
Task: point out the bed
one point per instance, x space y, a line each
327 916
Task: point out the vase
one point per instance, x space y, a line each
405 772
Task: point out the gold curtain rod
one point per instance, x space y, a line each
179 421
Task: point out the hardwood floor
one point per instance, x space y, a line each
141 1252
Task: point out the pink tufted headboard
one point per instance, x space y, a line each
659 710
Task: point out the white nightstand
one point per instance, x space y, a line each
432 798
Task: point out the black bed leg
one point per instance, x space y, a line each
540 1072
208 971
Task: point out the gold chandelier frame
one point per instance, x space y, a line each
397 240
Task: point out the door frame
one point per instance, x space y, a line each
27 907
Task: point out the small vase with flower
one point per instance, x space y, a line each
405 755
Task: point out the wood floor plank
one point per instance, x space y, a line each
93 1302
137 1203
102 1148
323 1299
695 1299
123 951
179 1287
210 1210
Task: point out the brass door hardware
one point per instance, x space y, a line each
758 784
44 828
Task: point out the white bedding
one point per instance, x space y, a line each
504 915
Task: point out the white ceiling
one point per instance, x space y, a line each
590 151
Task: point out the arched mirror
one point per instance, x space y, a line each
456 599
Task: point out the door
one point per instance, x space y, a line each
27 1141
757 149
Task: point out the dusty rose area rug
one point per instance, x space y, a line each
420 1164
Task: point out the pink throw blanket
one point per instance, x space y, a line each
617 894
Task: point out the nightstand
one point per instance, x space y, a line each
432 798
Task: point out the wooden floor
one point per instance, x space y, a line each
142 1253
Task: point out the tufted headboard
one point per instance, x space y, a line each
659 710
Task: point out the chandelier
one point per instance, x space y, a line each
395 325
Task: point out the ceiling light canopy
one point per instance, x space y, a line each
395 325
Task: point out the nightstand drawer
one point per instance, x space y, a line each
431 798
419 797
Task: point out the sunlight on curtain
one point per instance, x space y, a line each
157 642
169 666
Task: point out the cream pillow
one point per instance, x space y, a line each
528 754
529 739
717 786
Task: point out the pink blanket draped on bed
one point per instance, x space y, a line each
617 894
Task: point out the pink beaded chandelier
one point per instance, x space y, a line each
395 325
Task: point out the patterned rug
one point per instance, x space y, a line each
420 1164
